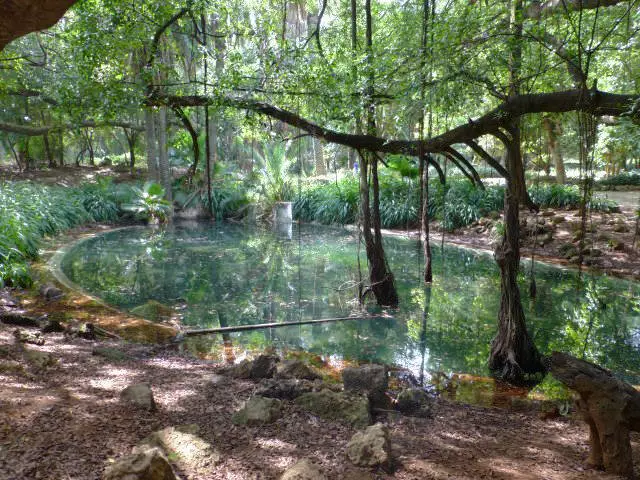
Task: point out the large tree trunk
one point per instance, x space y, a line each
514 357
609 406
152 144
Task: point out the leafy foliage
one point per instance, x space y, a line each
631 177
456 205
29 213
149 204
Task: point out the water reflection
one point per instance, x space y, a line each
225 275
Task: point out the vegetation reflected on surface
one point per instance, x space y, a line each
225 275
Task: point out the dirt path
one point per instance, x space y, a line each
66 422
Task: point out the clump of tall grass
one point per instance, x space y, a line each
31 212
455 205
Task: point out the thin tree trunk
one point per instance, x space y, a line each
131 141
552 128
381 278
207 128
51 163
152 144
318 155
61 141
163 158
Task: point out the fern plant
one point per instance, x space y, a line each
149 203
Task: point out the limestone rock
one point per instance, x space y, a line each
286 389
50 292
258 411
303 470
40 360
371 448
22 336
149 464
414 402
345 408
50 325
263 366
296 369
183 446
140 395
371 380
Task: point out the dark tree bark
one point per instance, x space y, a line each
132 136
51 163
514 357
382 280
609 406
552 127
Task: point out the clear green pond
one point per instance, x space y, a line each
226 275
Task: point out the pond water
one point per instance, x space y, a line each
216 275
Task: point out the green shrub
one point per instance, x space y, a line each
148 203
632 177
30 212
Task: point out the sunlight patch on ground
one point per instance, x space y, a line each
173 397
275 444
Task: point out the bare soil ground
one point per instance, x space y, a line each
611 244
66 422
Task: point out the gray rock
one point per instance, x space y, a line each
183 446
34 338
371 380
371 448
39 360
6 300
263 366
286 389
414 402
50 292
13 318
50 325
258 411
303 470
140 395
150 464
339 406
296 369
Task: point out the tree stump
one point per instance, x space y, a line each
610 407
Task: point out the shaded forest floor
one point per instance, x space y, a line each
65 421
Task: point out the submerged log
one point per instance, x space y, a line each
610 407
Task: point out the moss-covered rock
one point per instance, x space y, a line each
339 406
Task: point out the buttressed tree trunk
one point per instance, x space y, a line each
514 357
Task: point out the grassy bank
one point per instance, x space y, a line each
29 213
